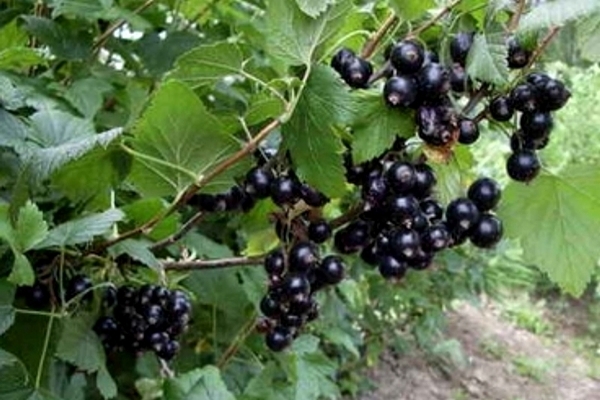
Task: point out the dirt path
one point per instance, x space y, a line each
502 363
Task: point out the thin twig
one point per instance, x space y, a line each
189 225
372 43
542 46
213 264
476 99
348 216
516 17
434 20
99 43
239 340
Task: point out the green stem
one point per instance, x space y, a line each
40 370
265 85
38 313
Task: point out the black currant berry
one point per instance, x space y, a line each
341 58
501 109
126 295
401 177
485 193
296 285
407 57
278 339
352 238
523 98
536 125
432 209
461 214
275 262
258 182
523 165
369 254
106 327
152 313
403 209
333 269
518 57
486 232
375 189
77 285
460 46
234 198
405 243
37 296
391 268
435 238
425 180
434 81
554 94
312 196
420 222
422 260
468 131
538 79
319 231
519 142
356 73
459 81
284 190
270 307
303 256
292 320
169 351
400 91
432 128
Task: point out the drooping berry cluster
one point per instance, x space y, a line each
535 98
355 71
294 279
146 318
402 224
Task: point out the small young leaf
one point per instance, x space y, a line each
22 272
556 13
137 250
31 227
556 217
487 59
198 384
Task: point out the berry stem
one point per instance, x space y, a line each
212 264
542 46
349 216
476 99
516 17
240 338
434 20
40 370
372 43
189 225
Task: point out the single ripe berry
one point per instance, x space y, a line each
518 57
405 243
435 238
433 129
400 91
536 125
352 238
391 268
430 57
538 79
284 190
234 198
555 95
356 73
461 214
278 339
37 296
169 351
270 307
460 46
369 254
179 303
403 208
407 57
319 231
485 193
459 80
519 142
333 269
341 58
501 109
78 285
106 327
422 260
523 98
468 131
258 182
152 313
523 165
303 256
292 320
420 222
275 262
375 189
312 196
432 209
434 81
486 232
401 177
425 180
296 285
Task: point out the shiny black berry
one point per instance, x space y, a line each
523 165
375 189
459 80
258 182
460 46
434 81
296 285
461 214
270 307
179 303
405 243
341 58
486 232
485 193
501 109
554 94
278 339
312 196
303 256
518 57
407 57
391 268
400 91
468 131
333 269
356 73
275 262
77 285
37 296
536 125
432 209
319 231
401 177
352 238
519 142
284 190
403 208
435 238
425 180
523 98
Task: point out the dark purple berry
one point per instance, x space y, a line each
536 125
77 285
375 189
319 231
554 95
460 46
270 307
435 238
403 209
312 196
292 320
486 232
405 243
391 268
352 238
401 177
275 262
37 296
303 256
434 81
523 98
432 209
356 73
278 339
425 180
333 269
407 57
459 80
341 58
518 57
501 109
461 214
296 285
468 131
485 193
400 91
523 165
258 182
284 190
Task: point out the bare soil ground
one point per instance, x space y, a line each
503 362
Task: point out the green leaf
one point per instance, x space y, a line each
29 394
87 95
315 148
30 228
82 230
137 250
19 58
208 63
409 9
199 384
588 36
142 211
556 13
7 311
71 42
22 272
487 59
295 37
452 175
556 217
79 345
313 8
375 126
106 384
158 53
178 139
91 9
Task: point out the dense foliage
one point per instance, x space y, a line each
186 184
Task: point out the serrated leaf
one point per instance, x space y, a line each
90 9
30 228
106 384
7 311
409 9
158 53
557 13
375 126
487 59
178 132
451 175
82 230
313 8
19 58
556 217
137 250
315 148
22 272
71 42
87 95
141 211
294 36
588 36
208 63
79 345
199 384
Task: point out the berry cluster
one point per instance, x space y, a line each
535 98
146 318
355 71
294 279
39 295
402 225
